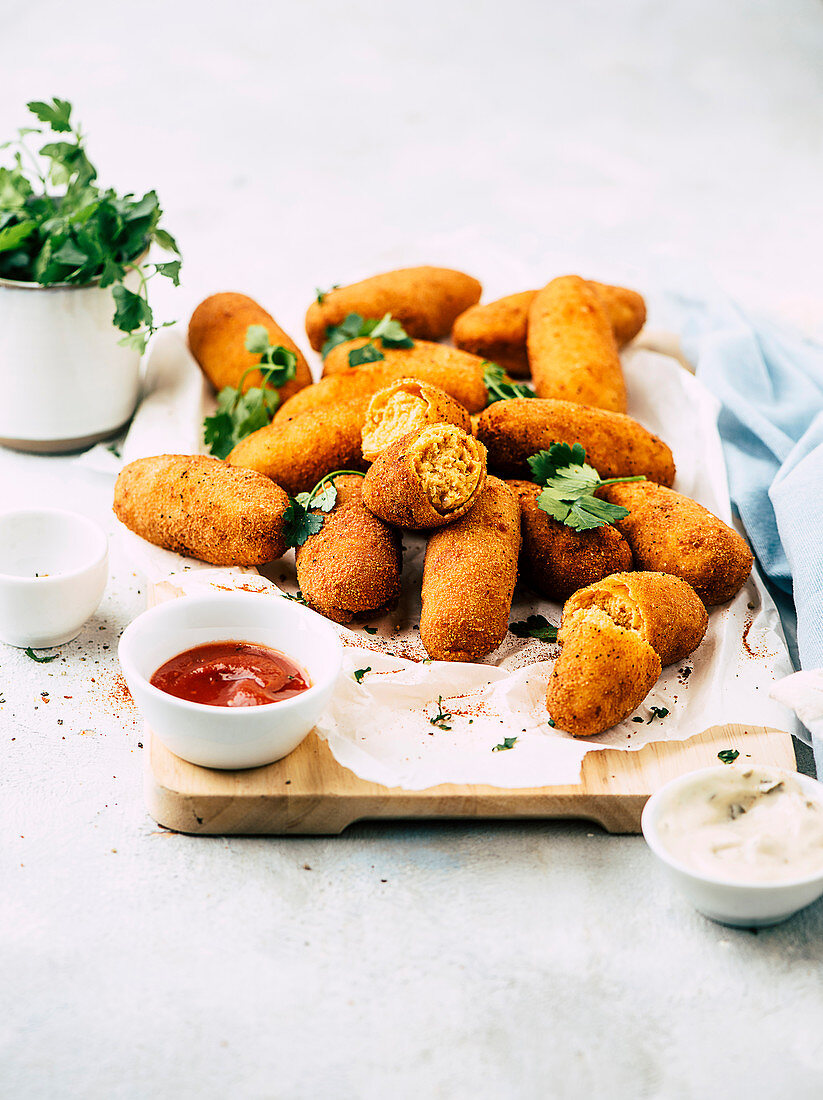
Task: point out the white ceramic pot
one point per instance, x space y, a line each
64 381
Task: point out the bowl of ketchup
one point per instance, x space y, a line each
230 680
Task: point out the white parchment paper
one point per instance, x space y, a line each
381 727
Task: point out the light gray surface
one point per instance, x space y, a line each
303 144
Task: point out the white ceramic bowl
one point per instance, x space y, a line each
230 737
742 904
53 572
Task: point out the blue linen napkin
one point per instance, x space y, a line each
769 382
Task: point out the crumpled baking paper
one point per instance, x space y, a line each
381 728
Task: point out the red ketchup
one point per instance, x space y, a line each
231 674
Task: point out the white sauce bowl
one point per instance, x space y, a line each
230 737
741 904
53 573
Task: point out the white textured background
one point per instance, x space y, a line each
300 144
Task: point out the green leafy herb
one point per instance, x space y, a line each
658 712
360 673
552 723
238 414
390 332
506 743
297 599
728 756
536 626
569 485
321 294
369 353
442 717
498 389
58 226
370 629
300 521
41 660
637 718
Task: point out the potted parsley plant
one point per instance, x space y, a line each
74 311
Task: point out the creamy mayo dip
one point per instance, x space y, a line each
749 823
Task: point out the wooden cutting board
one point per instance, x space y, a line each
310 793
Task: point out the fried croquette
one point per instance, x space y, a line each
615 444
603 672
425 300
497 330
557 560
460 379
670 533
204 508
217 339
572 350
427 478
407 405
664 610
297 451
469 577
352 565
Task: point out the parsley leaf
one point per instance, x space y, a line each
239 414
56 114
728 756
569 487
369 353
41 660
536 626
507 743
658 712
391 333
442 717
498 389
301 523
360 673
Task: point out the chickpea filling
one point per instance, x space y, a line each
449 464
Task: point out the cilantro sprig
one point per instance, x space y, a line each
535 626
239 414
498 389
569 485
58 226
301 522
506 743
390 333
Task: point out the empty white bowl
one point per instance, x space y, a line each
742 904
230 737
53 572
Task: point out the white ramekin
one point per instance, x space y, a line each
53 572
230 737
65 380
742 904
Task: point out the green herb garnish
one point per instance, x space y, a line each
506 743
360 673
728 756
297 599
41 660
658 712
321 294
536 626
370 629
569 485
498 389
239 414
391 334
300 521
442 717
57 226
